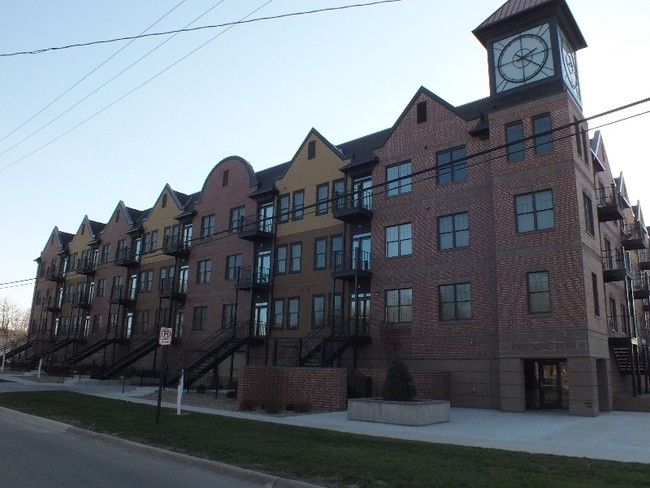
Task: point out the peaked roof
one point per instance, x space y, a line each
510 9
361 151
516 11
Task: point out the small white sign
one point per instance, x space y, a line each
165 337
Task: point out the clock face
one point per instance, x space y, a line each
569 67
523 59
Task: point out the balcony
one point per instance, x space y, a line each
255 230
646 305
173 289
82 300
123 295
176 246
87 267
52 304
635 236
251 279
616 265
644 259
127 258
610 204
352 208
352 266
55 273
640 285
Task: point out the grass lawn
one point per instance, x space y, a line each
324 457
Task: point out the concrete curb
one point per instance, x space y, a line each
247 475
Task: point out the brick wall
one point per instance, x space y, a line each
429 386
323 389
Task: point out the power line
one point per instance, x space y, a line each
119 99
84 77
110 80
194 29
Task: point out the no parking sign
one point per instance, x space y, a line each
165 336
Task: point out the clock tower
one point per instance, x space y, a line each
532 48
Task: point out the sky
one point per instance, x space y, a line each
83 128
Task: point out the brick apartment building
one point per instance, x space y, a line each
490 243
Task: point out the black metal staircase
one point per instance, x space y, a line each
325 344
139 346
88 351
622 354
220 346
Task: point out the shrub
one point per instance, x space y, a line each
399 383
302 407
290 407
248 405
272 406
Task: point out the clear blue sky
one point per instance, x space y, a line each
255 92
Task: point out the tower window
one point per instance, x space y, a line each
311 150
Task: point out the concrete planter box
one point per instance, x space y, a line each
403 413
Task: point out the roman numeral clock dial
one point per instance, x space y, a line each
523 58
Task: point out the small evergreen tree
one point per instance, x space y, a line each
399 383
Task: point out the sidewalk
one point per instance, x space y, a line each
617 436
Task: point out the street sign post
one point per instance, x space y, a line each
165 336
164 339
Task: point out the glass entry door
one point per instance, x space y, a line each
261 319
547 384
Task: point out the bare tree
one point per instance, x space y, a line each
14 322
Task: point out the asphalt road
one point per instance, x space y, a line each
37 454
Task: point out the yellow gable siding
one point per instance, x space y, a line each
306 174
158 219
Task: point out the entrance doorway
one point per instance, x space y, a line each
547 384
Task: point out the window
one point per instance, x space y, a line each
283 208
451 165
578 138
514 140
317 311
338 193
399 240
421 112
613 320
233 263
164 200
153 245
142 322
207 225
534 211
399 305
106 253
236 218
320 253
281 259
455 302
322 198
336 246
166 278
589 215
398 179
296 256
97 323
594 287
200 317
228 316
112 321
101 287
294 312
298 204
224 178
311 150
204 270
278 313
543 136
539 294
453 231
146 281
